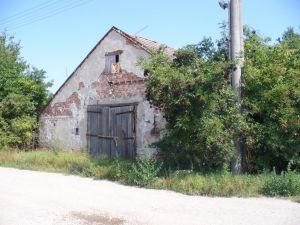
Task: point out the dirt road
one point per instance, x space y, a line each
37 198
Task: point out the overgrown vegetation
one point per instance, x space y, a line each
143 172
199 106
147 173
285 184
23 93
272 101
202 112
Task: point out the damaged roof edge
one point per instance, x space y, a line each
132 39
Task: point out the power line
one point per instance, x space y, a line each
44 15
140 30
51 14
40 12
28 11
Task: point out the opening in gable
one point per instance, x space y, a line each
112 62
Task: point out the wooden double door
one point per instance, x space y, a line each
111 131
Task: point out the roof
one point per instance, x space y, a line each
139 42
150 44
146 43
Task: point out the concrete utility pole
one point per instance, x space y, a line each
236 50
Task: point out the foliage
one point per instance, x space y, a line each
22 128
23 93
212 184
188 182
119 169
272 100
51 161
81 167
203 116
285 184
143 172
199 106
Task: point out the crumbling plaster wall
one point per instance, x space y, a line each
90 85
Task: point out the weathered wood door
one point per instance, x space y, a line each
111 130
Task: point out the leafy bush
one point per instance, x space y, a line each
143 172
271 100
120 169
203 116
285 184
199 105
23 94
23 129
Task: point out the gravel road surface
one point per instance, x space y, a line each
38 198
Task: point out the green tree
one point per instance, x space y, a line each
23 93
272 100
203 116
199 106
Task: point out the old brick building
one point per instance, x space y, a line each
101 107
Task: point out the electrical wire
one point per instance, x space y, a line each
36 14
44 15
28 11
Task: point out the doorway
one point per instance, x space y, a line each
111 130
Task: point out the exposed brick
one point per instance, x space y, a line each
119 85
62 108
81 85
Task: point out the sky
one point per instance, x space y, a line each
56 35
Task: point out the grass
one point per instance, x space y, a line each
63 162
146 174
223 184
50 161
